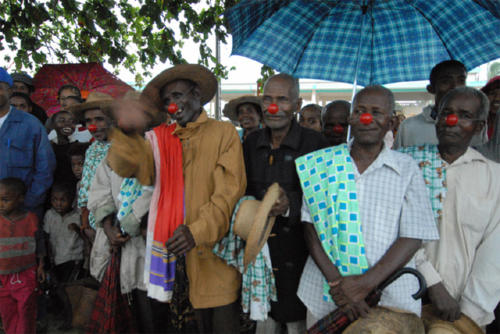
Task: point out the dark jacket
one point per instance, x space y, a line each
287 245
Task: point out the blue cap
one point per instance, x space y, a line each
5 77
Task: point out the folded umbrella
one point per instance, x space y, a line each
337 321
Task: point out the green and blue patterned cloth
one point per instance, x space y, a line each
93 157
328 182
433 168
258 286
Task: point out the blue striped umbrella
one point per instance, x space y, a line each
375 41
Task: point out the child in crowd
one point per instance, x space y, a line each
76 155
20 243
64 125
62 224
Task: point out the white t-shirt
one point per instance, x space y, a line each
3 118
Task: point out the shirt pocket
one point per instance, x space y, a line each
20 154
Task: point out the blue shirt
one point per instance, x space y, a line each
26 153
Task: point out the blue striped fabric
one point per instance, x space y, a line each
401 41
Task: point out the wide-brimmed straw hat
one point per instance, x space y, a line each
198 74
253 223
231 109
95 100
433 324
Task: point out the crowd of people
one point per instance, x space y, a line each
131 214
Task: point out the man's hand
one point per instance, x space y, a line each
115 236
181 242
40 273
447 307
349 294
281 205
131 115
89 233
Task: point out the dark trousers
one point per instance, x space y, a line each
218 320
141 307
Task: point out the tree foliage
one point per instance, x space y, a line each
133 34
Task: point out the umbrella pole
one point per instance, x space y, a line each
364 8
218 91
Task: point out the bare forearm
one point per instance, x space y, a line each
328 269
396 257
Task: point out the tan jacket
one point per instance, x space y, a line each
214 180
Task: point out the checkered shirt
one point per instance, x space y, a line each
393 203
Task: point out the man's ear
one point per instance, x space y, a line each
299 104
480 126
431 89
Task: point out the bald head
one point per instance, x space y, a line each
377 89
286 79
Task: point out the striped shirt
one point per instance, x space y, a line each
18 243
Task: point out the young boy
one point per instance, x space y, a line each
62 224
20 242
64 125
76 155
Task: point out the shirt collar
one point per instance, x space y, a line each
385 157
292 138
428 113
469 156
191 126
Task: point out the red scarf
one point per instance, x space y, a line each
171 202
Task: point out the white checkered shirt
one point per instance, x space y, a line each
393 203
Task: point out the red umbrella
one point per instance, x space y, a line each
88 77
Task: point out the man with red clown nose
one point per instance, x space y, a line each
462 268
198 177
269 157
365 213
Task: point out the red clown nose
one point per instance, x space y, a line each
338 129
273 108
366 118
172 108
92 128
451 120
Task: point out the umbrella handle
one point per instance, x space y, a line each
400 272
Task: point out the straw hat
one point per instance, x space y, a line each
95 100
253 223
198 74
231 109
434 325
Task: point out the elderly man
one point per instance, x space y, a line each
366 212
335 116
199 176
461 269
25 151
420 130
269 155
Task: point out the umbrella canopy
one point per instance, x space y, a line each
394 40
88 77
